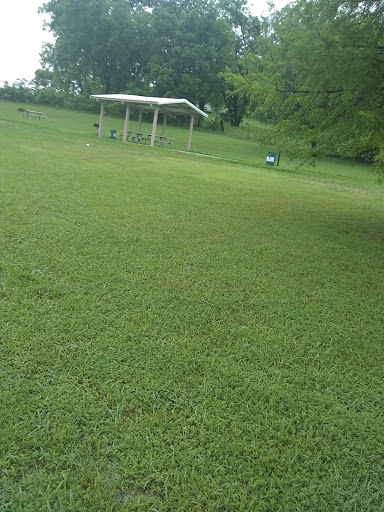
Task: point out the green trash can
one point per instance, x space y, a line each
271 158
112 134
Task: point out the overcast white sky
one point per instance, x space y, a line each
22 36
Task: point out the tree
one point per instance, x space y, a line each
100 44
44 78
246 28
194 44
319 74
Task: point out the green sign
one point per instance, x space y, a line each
271 158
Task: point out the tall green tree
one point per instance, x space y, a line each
319 74
98 43
246 29
194 43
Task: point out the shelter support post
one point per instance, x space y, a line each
126 123
100 133
190 132
140 120
154 125
164 124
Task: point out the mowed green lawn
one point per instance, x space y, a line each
181 333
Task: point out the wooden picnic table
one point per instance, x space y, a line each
32 113
145 138
133 135
165 140
140 138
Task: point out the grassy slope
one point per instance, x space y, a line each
203 141
181 333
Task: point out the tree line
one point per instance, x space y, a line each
174 48
314 70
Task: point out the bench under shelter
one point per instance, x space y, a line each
165 106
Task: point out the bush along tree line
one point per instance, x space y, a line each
314 70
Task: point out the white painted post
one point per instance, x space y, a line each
154 125
100 133
126 123
140 119
164 124
190 132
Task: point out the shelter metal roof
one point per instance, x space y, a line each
171 106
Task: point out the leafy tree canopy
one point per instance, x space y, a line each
194 46
319 74
102 43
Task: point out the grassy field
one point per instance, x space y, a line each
181 333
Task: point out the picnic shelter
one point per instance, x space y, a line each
165 106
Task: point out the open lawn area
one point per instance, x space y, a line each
181 333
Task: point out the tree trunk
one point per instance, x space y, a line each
107 76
